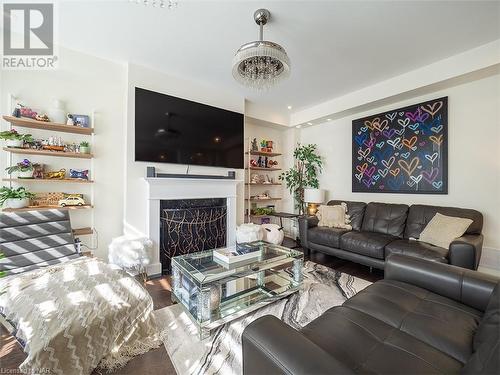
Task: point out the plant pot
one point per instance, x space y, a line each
25 174
17 143
16 203
85 150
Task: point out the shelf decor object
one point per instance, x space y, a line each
261 64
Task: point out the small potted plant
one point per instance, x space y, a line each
24 169
84 147
15 198
14 139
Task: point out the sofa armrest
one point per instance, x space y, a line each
306 222
272 347
469 287
466 251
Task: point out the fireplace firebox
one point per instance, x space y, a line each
190 225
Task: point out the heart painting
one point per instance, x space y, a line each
403 150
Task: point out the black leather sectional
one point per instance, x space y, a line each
423 318
382 229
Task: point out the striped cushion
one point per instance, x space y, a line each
34 239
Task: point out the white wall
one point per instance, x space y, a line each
474 153
135 186
85 84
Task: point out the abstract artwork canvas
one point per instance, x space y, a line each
402 151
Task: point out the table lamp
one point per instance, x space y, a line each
313 198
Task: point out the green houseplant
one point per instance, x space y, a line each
24 169
15 139
15 198
304 173
84 147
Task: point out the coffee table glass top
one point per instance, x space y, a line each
203 268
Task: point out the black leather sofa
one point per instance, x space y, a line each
382 229
423 318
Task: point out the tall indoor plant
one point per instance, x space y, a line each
303 174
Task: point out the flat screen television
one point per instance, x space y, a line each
174 130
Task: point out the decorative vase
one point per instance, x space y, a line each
15 143
85 149
25 174
16 203
57 113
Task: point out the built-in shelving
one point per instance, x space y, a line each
263 169
49 126
41 208
26 122
262 184
262 200
262 153
31 180
29 151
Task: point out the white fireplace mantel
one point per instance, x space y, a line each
186 188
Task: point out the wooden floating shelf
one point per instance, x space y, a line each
70 180
262 153
274 184
262 200
41 208
260 216
26 122
29 151
264 169
83 231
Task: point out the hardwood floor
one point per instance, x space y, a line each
157 361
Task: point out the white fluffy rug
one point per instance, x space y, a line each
221 353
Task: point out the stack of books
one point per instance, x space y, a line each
239 253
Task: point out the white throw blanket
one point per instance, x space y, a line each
75 316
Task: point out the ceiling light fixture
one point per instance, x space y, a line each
261 64
298 126
289 107
169 4
328 119
309 123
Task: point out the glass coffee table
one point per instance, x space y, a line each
214 293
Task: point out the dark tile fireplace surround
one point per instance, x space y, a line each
190 225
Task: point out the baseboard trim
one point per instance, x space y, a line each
490 258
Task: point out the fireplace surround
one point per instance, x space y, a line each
169 189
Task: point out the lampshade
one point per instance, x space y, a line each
314 195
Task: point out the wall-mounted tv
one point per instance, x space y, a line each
174 130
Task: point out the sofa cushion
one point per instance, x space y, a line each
355 210
366 243
385 218
419 216
440 322
486 357
417 249
368 345
326 236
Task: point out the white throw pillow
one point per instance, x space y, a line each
333 216
442 230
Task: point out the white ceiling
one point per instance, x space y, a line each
335 47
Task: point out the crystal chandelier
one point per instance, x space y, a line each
261 64
170 4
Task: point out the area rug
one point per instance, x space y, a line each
221 353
